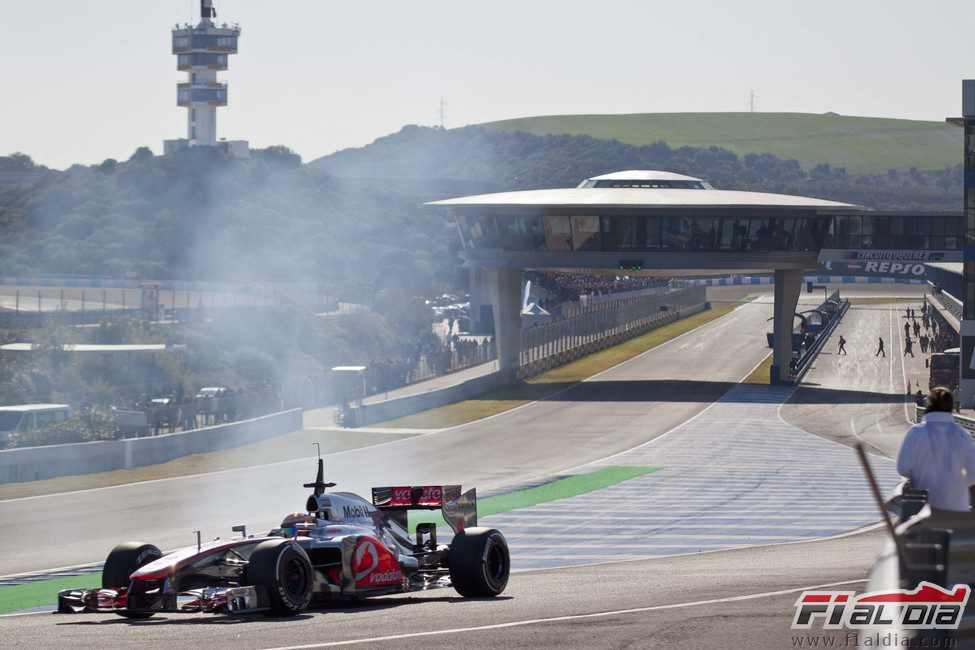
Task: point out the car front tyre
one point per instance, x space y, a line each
283 569
124 560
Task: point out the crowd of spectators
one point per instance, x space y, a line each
177 411
567 287
431 360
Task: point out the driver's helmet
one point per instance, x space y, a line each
288 526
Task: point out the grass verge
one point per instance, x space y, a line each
505 398
760 375
15 598
289 446
561 489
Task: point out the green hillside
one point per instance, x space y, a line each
861 144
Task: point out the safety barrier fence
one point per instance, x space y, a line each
766 279
965 422
38 463
547 346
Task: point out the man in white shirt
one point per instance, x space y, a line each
939 456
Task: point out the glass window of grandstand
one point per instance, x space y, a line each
649 184
734 235
653 238
896 232
866 232
913 232
704 233
782 234
953 232
846 232
585 233
623 233
806 235
558 233
484 232
521 233
759 234
879 230
676 234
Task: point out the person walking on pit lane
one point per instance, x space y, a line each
880 350
842 349
909 348
907 328
938 455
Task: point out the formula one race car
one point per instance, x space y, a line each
343 547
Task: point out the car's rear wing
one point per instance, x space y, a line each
459 509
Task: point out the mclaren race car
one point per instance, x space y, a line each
342 547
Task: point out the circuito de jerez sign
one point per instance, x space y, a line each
883 263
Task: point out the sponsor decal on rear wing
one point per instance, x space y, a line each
459 509
423 497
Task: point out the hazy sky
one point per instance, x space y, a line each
86 80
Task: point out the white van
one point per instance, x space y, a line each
29 417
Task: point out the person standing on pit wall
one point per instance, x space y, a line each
938 455
842 349
880 350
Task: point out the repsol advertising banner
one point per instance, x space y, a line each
883 263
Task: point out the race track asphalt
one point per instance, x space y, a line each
727 599
736 598
614 411
866 392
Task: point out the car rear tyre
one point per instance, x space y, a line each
284 570
479 562
121 563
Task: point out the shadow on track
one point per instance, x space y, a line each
200 618
677 391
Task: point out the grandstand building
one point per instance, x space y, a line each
656 223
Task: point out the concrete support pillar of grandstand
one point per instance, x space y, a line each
480 300
788 284
505 288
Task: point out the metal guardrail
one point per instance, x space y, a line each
965 422
601 326
805 362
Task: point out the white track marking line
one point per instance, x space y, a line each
900 339
572 617
391 442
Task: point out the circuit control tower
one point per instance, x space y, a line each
202 51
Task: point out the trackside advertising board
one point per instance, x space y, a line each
883 263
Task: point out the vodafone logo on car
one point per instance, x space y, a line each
401 496
431 495
374 565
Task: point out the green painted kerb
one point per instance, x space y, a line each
561 489
44 592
